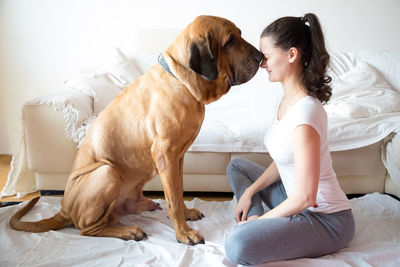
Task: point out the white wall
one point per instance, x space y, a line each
43 42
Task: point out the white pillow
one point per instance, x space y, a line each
118 70
106 82
102 91
340 63
361 92
143 61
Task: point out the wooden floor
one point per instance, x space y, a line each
5 168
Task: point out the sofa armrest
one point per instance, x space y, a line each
48 147
52 125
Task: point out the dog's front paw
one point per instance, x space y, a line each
190 237
193 215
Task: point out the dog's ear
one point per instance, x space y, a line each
201 58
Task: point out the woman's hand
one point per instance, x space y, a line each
242 207
269 176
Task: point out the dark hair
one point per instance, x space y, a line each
305 34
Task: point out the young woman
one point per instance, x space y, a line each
308 214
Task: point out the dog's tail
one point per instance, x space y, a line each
54 223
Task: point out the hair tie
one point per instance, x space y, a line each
304 20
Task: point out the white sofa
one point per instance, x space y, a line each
358 163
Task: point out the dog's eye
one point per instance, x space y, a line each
230 41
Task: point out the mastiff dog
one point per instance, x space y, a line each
146 130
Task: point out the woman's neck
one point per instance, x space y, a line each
293 90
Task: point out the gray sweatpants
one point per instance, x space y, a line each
307 234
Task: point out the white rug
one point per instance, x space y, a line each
376 243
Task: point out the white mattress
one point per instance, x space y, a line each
376 242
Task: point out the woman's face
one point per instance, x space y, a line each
276 60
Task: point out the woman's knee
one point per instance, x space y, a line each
233 249
233 169
233 165
236 166
236 248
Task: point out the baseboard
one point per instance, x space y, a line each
210 194
9 203
51 192
393 196
350 196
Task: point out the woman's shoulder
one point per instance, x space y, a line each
310 104
312 100
311 108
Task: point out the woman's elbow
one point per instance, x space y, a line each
307 200
310 201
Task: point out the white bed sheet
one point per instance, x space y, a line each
376 242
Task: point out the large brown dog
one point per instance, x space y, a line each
146 130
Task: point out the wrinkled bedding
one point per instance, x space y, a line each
376 242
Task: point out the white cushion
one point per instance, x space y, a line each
118 70
103 92
361 92
106 82
340 63
143 61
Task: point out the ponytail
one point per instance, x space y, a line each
314 75
305 34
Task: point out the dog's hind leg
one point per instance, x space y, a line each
123 232
145 204
95 200
135 206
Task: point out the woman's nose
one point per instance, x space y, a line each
263 63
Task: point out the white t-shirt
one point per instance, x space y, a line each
279 141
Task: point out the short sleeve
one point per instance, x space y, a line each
311 112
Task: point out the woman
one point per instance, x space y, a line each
308 214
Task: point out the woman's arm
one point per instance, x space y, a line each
306 145
269 176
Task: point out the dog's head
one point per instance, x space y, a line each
210 56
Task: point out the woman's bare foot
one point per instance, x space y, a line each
251 218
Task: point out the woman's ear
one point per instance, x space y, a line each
293 54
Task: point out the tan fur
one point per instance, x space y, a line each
144 131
